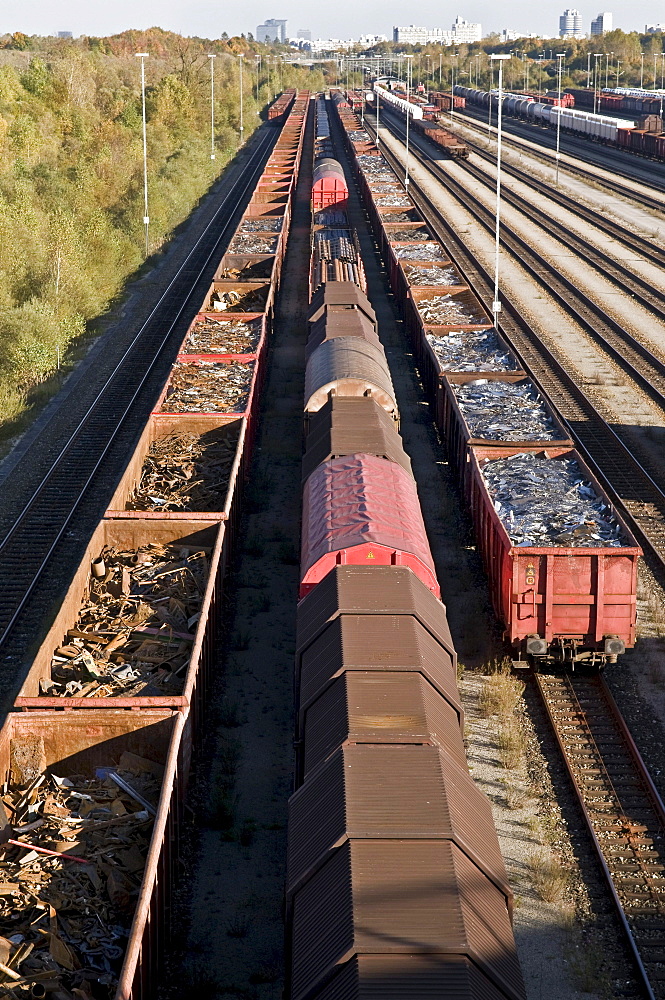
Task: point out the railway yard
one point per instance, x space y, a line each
332 617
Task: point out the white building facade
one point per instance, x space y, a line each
570 24
601 24
462 31
271 30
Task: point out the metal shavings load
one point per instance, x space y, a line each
504 411
70 881
186 472
445 276
393 199
209 387
358 135
399 216
445 310
547 502
381 185
253 244
266 224
134 633
471 351
375 166
414 234
424 251
219 336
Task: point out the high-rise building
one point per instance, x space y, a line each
304 34
601 24
65 34
570 24
271 30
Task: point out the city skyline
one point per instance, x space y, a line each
202 17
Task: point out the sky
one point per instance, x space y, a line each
342 19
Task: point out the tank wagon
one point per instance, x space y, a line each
564 596
386 828
600 128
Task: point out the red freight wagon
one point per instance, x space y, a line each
563 604
362 510
328 185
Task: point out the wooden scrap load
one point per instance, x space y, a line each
134 633
208 387
186 472
70 875
222 336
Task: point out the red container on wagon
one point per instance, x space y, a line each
328 185
566 603
362 510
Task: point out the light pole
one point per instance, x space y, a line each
406 159
440 58
212 58
559 58
541 60
642 71
378 103
655 58
146 218
596 77
258 61
662 70
618 64
607 68
241 56
588 70
452 85
496 304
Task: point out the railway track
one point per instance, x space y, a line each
629 485
514 131
48 517
622 810
643 366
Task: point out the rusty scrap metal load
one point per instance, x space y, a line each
93 794
133 633
70 872
220 336
207 387
263 225
187 472
425 251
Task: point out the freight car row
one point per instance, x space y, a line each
562 579
94 793
644 136
395 880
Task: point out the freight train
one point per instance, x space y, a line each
395 880
424 119
563 583
644 136
600 128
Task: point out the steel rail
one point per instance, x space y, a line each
629 485
622 810
105 408
546 153
650 251
644 366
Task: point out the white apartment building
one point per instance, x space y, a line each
570 24
462 31
601 24
653 29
